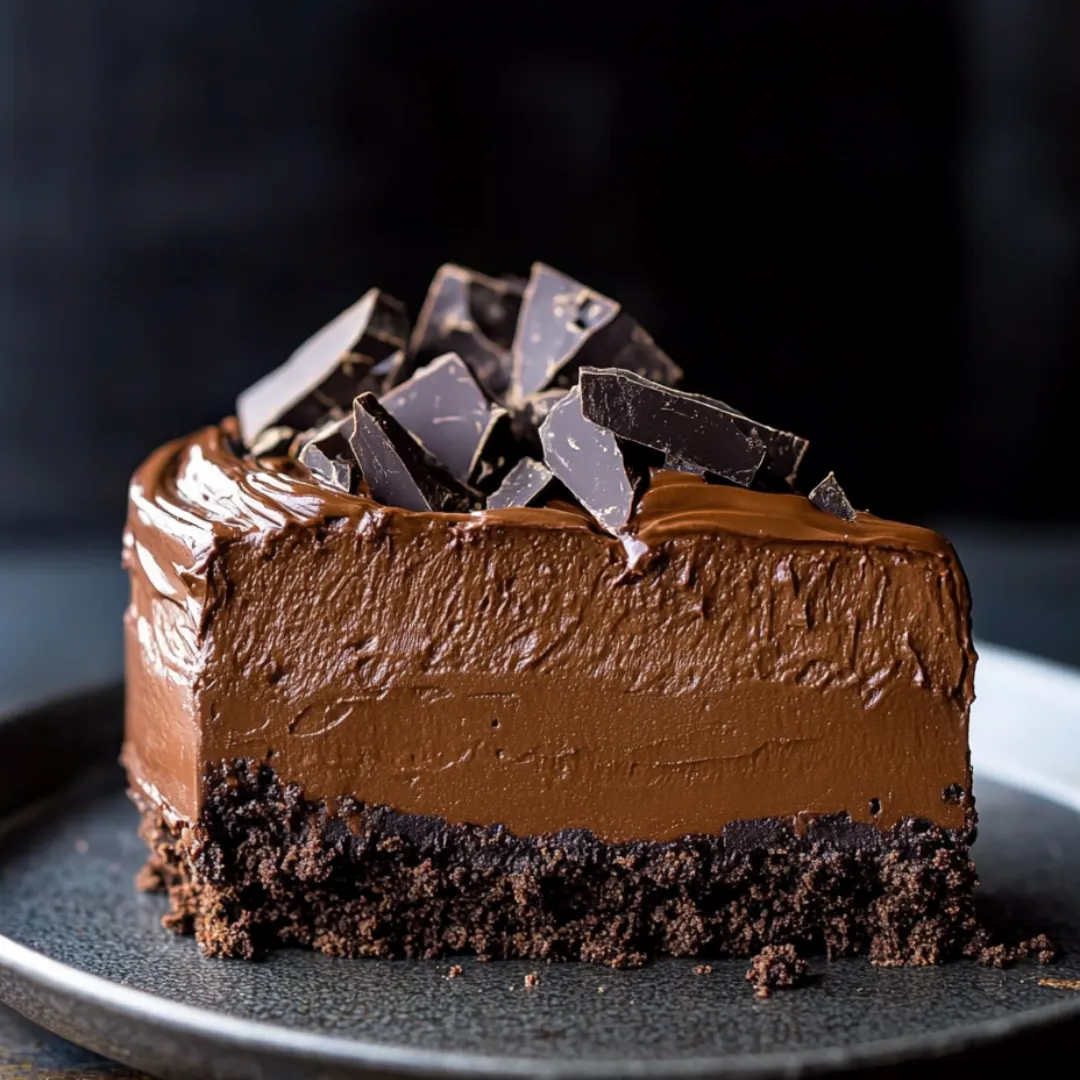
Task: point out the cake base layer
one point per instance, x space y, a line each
263 867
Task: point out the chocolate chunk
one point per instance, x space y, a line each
525 483
332 438
784 451
499 455
591 462
675 464
686 428
829 496
385 373
444 409
326 373
489 474
525 421
273 442
396 467
564 325
495 304
336 472
472 315
326 453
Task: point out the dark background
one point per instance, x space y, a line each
858 220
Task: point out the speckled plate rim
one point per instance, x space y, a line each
1041 756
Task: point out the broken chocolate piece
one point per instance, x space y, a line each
472 315
397 469
591 462
336 472
784 451
331 437
525 483
499 454
564 325
385 373
326 373
686 428
525 421
671 462
496 304
829 496
326 453
273 442
444 409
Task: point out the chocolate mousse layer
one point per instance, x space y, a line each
755 658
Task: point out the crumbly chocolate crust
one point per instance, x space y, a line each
776 966
264 868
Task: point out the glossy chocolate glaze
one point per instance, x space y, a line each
740 656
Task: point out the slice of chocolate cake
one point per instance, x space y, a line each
647 700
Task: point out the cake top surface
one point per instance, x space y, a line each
199 488
535 403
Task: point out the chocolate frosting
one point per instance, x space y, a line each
738 655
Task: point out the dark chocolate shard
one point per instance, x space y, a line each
524 485
537 407
496 304
335 472
273 442
444 409
829 496
676 465
592 463
332 438
525 421
325 374
688 429
396 467
564 326
472 315
385 373
499 453
784 450
326 453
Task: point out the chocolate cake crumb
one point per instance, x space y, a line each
994 956
776 966
148 880
1061 984
703 969
264 868
531 980
454 972
1038 948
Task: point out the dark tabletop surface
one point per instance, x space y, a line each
60 630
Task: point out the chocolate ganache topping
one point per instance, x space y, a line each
490 377
502 571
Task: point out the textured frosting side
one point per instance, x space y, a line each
509 667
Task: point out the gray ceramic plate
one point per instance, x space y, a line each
82 954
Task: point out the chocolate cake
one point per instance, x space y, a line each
481 636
